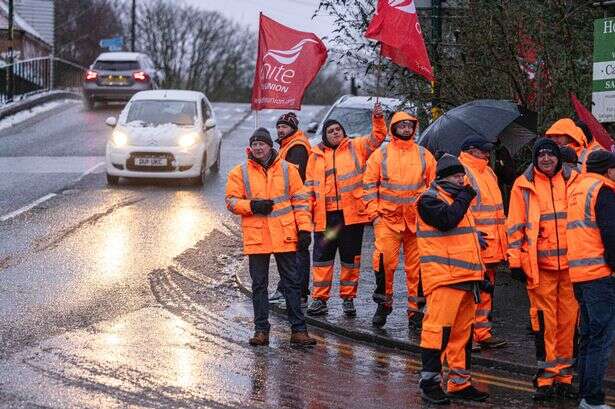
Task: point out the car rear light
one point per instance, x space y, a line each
91 75
140 76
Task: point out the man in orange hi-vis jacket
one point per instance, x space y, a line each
397 173
275 219
565 132
488 211
334 179
537 252
451 273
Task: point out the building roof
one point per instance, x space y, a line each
20 23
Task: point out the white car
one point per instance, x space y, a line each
164 134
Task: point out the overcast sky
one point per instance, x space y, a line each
293 13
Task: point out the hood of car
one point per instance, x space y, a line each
161 135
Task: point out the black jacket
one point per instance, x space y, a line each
298 155
605 218
441 215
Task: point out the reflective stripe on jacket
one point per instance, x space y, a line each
536 223
487 207
277 232
298 138
341 184
396 175
585 247
448 257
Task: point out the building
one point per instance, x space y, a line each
33 29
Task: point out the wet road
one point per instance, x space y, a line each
126 297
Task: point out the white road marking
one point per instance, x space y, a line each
90 170
26 207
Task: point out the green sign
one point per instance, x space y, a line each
603 96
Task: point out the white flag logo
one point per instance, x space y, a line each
287 57
407 6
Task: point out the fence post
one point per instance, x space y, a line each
52 61
9 72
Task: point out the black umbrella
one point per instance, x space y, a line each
489 118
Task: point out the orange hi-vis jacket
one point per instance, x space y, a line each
585 247
487 207
396 175
334 177
566 126
594 146
298 138
536 223
277 232
448 257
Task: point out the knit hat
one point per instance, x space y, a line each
262 134
448 165
290 119
569 155
546 144
327 124
600 161
477 142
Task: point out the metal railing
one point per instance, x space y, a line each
26 77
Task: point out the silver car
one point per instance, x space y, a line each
117 76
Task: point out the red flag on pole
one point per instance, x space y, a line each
396 26
287 62
598 132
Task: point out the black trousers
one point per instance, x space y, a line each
291 282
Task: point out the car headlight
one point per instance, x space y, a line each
119 138
188 139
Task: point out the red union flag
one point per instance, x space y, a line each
397 27
287 62
598 132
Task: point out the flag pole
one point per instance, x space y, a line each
378 73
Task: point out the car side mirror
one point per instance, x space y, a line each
312 126
210 123
111 121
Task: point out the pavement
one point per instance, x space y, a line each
511 317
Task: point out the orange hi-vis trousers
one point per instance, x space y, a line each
447 336
386 259
553 314
482 322
347 239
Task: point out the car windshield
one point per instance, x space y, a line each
356 121
152 113
116 65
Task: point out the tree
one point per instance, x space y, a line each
530 51
197 49
81 24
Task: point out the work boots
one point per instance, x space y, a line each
432 392
302 338
380 317
348 307
260 338
469 393
317 307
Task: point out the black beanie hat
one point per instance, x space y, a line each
547 144
290 119
569 155
478 143
448 165
262 134
600 161
327 124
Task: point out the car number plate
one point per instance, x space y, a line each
151 161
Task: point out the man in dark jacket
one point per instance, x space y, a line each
452 271
294 148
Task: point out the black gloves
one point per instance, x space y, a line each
470 190
263 207
305 238
482 240
517 273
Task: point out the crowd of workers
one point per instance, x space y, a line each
448 217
